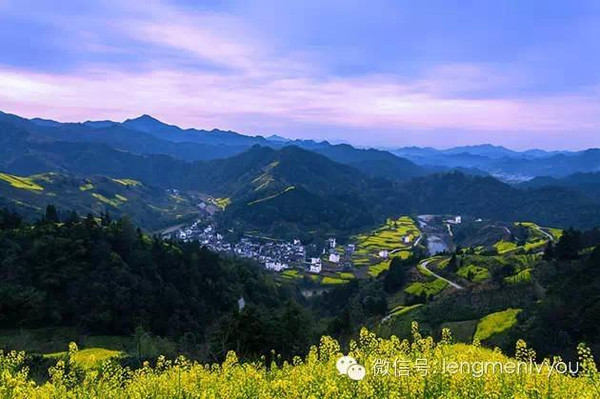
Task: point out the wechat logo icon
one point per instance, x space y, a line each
349 366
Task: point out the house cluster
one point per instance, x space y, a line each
274 255
337 255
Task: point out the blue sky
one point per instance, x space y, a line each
378 73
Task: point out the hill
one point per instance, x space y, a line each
150 207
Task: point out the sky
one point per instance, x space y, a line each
381 73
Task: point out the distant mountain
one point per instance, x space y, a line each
498 152
375 163
299 187
150 125
487 197
587 183
505 164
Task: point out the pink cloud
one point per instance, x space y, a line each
255 86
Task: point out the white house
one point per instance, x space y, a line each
316 268
315 261
334 258
455 220
407 239
332 242
384 254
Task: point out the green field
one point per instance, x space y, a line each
388 237
429 288
474 273
496 323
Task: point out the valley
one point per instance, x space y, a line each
200 255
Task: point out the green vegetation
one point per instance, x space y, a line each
23 183
522 277
389 236
474 273
327 280
152 208
375 270
428 289
496 323
505 246
462 331
402 310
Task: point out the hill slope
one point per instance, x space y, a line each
149 207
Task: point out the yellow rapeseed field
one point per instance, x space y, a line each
395 368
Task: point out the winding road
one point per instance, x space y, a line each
424 266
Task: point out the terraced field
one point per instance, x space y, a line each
396 236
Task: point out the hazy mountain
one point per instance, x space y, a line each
147 135
507 165
373 162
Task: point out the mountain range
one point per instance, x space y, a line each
294 187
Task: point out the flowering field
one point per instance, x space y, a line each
420 368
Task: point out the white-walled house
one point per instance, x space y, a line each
334 258
316 268
384 254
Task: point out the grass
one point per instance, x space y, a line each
327 280
291 274
496 323
23 183
429 288
86 187
524 276
375 270
402 310
505 246
462 331
474 273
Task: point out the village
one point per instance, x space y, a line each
374 249
274 255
